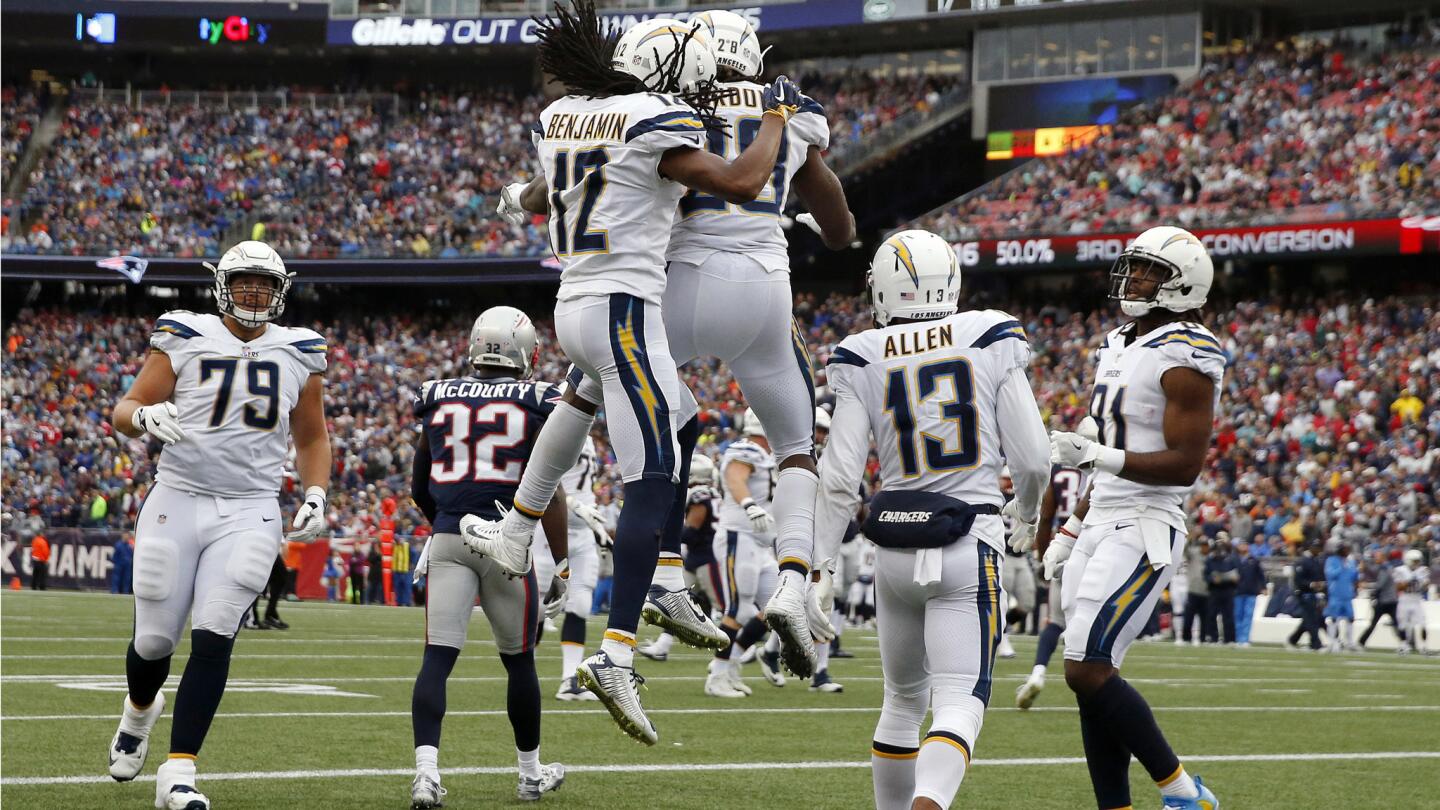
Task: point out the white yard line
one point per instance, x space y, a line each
702 766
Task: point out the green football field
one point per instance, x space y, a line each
318 717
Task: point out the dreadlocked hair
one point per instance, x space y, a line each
576 51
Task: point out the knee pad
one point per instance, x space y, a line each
250 561
153 647
154 568
901 714
956 708
579 599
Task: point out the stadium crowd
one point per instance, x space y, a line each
418 177
20 110
1329 425
1274 134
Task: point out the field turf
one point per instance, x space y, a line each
318 717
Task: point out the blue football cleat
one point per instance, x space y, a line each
1205 801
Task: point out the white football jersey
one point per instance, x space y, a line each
930 390
1411 583
1068 484
579 480
234 400
610 210
708 224
1129 406
732 516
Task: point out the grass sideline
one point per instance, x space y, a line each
318 716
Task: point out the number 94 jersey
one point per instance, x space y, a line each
234 400
931 390
480 433
709 225
1129 405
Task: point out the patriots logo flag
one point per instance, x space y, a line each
131 267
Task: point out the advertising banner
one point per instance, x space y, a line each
79 559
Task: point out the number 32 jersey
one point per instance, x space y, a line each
480 433
709 225
234 400
1129 405
610 209
931 390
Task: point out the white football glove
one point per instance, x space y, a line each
816 611
596 523
1075 450
509 208
1022 531
161 420
309 518
422 563
760 520
808 220
560 583
1060 547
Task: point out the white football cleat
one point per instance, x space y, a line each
654 651
770 667
425 792
551 777
717 684
822 682
736 682
571 690
785 614
1029 690
488 539
615 686
676 613
1006 651
175 786
132 739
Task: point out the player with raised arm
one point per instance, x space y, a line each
1157 384
476 433
618 152
224 393
947 399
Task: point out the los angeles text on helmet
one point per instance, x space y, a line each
1309 240
398 31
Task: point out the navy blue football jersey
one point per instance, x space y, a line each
480 432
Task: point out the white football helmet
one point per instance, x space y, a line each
504 337
702 471
750 424
733 42
666 55
1414 557
1180 253
914 275
251 258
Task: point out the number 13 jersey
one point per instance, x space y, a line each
931 389
1129 405
234 400
610 209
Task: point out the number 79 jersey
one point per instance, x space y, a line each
480 433
1129 405
234 399
610 209
931 389
708 224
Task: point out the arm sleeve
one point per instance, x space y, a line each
1027 449
420 480
841 468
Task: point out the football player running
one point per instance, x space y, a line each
224 394
1157 383
477 432
728 296
947 399
617 153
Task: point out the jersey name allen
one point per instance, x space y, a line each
919 341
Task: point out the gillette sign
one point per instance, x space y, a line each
234 29
383 32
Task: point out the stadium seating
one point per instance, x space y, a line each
1329 425
1276 134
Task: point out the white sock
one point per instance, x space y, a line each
1180 786
735 665
571 654
894 779
837 621
662 644
1349 627
669 571
427 760
556 450
620 648
1038 673
939 769
772 643
822 656
132 720
794 506
529 763
179 770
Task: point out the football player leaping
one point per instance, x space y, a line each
946 396
224 393
615 152
1157 382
